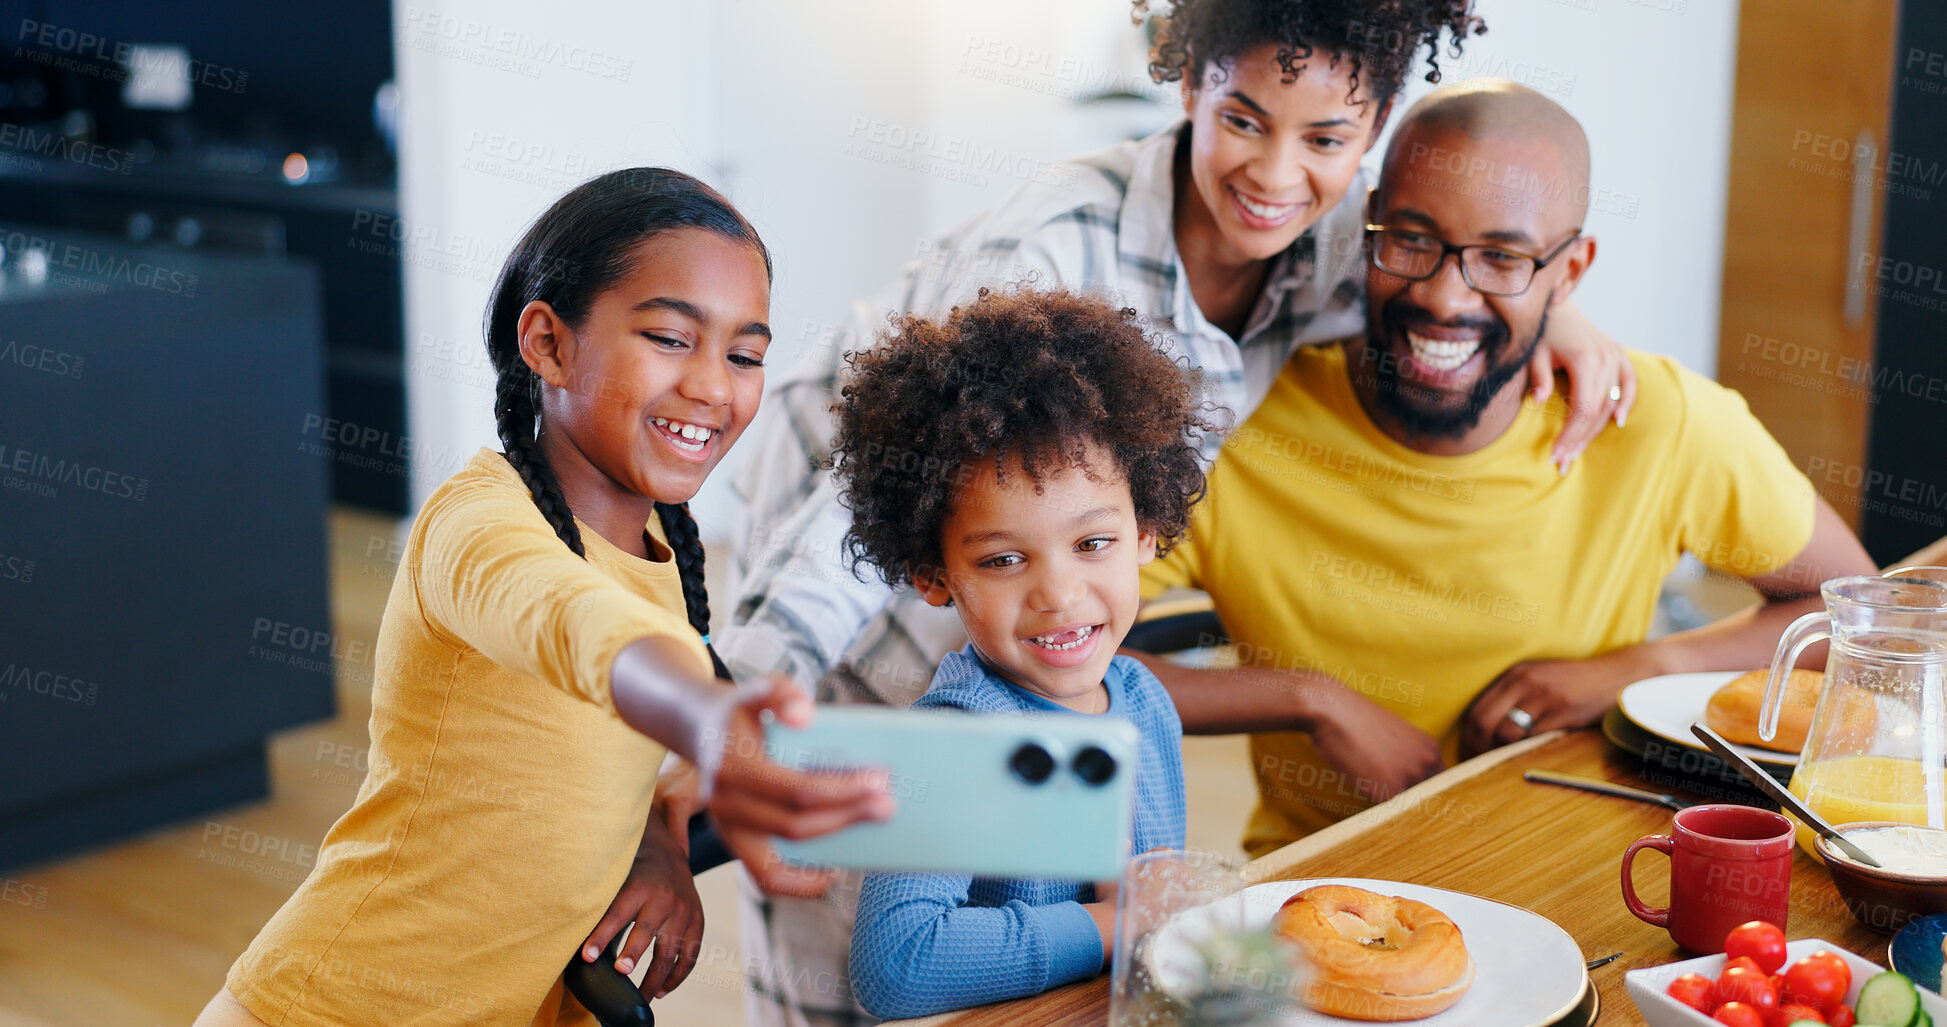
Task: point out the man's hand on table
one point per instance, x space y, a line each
1382 753
1375 747
1556 693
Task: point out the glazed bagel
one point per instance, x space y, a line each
1733 710
1375 957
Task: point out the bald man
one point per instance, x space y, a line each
1402 569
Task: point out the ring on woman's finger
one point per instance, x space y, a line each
1615 393
1522 719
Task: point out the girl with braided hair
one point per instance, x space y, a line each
544 645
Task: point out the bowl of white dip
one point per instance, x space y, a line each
1909 883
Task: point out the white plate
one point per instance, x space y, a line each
1647 987
1527 971
1666 707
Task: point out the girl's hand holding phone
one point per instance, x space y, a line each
659 895
721 731
754 798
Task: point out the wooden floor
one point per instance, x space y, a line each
142 932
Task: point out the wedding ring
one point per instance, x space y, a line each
1615 393
1522 719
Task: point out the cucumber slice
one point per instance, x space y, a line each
1889 999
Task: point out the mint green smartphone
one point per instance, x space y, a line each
984 794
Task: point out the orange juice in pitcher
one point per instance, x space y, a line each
1849 789
1877 749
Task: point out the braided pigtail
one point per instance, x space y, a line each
687 545
514 416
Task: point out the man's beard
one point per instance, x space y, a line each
1399 400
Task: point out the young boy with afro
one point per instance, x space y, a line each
1018 460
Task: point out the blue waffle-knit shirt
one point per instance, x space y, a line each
927 943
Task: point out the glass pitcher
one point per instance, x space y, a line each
1875 749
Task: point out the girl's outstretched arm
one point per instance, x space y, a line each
494 576
720 730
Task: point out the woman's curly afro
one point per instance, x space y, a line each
1379 37
1019 373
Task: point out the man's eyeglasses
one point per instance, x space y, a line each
1485 267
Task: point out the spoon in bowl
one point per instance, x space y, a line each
1769 785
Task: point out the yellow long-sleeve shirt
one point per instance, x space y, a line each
505 798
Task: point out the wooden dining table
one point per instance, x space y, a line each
1480 828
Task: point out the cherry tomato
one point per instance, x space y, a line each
1840 1015
1815 982
1745 961
1696 991
1838 965
1731 964
1761 941
1737 1014
1745 986
1735 963
1792 1012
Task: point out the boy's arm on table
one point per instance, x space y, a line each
1359 737
919 949
1575 693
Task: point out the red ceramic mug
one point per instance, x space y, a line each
1728 865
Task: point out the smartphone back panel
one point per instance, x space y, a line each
990 795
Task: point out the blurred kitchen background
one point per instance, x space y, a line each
247 247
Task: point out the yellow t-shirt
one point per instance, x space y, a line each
505 799
1417 580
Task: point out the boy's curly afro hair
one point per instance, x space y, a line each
1379 37
1038 375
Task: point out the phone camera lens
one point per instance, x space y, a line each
1031 763
1094 765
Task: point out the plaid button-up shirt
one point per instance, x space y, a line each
1102 223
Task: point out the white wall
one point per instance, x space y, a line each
856 132
845 130
505 106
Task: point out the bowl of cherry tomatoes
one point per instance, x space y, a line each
1762 980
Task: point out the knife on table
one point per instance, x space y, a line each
1601 787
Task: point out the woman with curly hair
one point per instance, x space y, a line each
993 461
1237 233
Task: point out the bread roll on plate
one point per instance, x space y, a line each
1733 710
1375 957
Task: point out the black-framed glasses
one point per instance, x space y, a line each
1486 267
